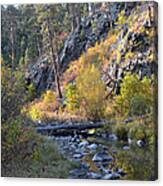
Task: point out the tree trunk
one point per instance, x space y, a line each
12 47
74 11
55 62
65 128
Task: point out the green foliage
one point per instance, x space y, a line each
139 105
129 55
121 132
139 164
138 129
87 95
13 93
135 94
144 130
72 99
25 153
91 92
137 132
31 92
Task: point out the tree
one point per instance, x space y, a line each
48 18
74 11
91 92
20 33
135 96
10 39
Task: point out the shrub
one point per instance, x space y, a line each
144 130
91 92
13 93
24 153
50 100
134 94
35 113
72 100
137 132
49 97
139 105
31 92
136 163
41 109
121 18
121 132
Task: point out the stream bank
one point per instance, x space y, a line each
95 151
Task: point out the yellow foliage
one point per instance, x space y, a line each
49 97
35 113
100 55
121 18
40 109
49 100
129 55
91 92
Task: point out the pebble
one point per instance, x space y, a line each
126 147
140 143
94 175
77 156
113 137
102 156
83 144
111 176
93 146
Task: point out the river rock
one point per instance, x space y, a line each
121 172
83 144
94 175
126 147
93 146
107 177
78 156
128 120
113 137
85 165
140 143
105 170
101 156
111 176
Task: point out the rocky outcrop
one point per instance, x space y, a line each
94 29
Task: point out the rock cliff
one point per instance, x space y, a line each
95 28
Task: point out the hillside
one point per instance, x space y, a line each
125 43
79 90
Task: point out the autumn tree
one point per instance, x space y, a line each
91 92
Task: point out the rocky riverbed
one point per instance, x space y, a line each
93 154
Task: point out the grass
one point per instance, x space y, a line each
47 162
